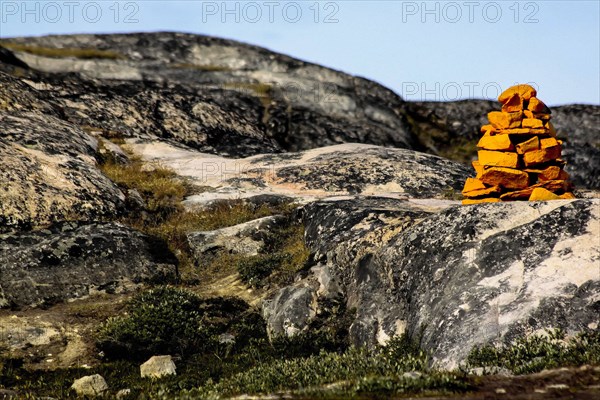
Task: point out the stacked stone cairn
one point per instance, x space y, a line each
519 154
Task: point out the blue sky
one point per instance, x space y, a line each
424 50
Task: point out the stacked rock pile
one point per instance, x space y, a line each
519 154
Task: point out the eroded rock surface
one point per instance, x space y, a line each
242 122
244 239
461 277
328 171
48 172
213 94
73 260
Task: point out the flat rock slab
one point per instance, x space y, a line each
313 174
245 239
72 260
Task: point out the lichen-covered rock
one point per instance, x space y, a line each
224 97
342 235
460 277
213 94
73 260
244 239
478 274
48 172
334 170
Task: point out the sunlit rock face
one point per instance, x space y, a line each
376 179
460 277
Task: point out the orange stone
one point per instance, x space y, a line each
514 103
537 106
479 201
478 168
532 123
502 120
523 131
487 129
498 142
549 142
483 192
525 91
528 114
543 117
508 178
553 186
550 173
541 156
567 196
498 159
541 194
472 184
528 145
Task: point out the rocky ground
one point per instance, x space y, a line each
309 210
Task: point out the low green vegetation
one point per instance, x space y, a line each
53 52
354 372
538 352
283 256
164 216
168 320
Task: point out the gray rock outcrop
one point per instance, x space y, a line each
458 278
48 173
72 260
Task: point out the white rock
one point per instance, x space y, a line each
91 385
123 393
157 367
412 375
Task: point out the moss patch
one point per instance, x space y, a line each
52 52
198 67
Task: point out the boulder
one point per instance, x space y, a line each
91 385
73 259
244 239
340 233
456 278
48 172
158 367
